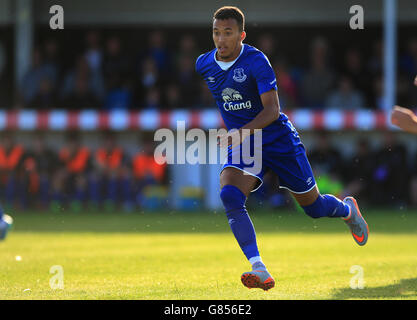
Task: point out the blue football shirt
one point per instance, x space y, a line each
237 92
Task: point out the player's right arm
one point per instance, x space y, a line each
405 119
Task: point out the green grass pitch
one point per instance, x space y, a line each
195 256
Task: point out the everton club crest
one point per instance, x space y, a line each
239 75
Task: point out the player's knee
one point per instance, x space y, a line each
317 209
232 198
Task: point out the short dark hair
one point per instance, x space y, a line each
229 12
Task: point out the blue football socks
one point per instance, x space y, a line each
327 206
239 220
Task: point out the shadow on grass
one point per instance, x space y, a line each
404 289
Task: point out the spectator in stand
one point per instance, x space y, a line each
116 73
408 62
173 99
205 98
408 68
110 180
358 173
38 72
94 52
354 69
5 83
116 64
81 98
188 81
153 99
94 58
378 93
12 175
159 52
41 166
119 97
390 177
325 158
70 182
266 43
81 81
188 48
146 171
52 57
286 84
149 74
327 164
318 81
345 97
375 63
413 183
45 99
147 78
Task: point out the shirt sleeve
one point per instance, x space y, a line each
264 74
197 63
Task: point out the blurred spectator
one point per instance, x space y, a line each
147 77
412 96
70 182
94 53
12 173
41 165
390 179
109 182
408 62
173 99
325 158
326 162
375 62
5 83
118 98
37 74
2 59
52 57
116 64
266 43
187 47
286 85
81 97
205 98
358 173
378 92
153 99
413 182
82 76
116 72
158 51
146 171
318 80
188 81
45 98
354 68
408 68
345 97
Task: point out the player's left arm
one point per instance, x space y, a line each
267 88
269 114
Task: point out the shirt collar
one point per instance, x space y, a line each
226 65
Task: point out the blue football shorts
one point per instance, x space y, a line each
292 167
